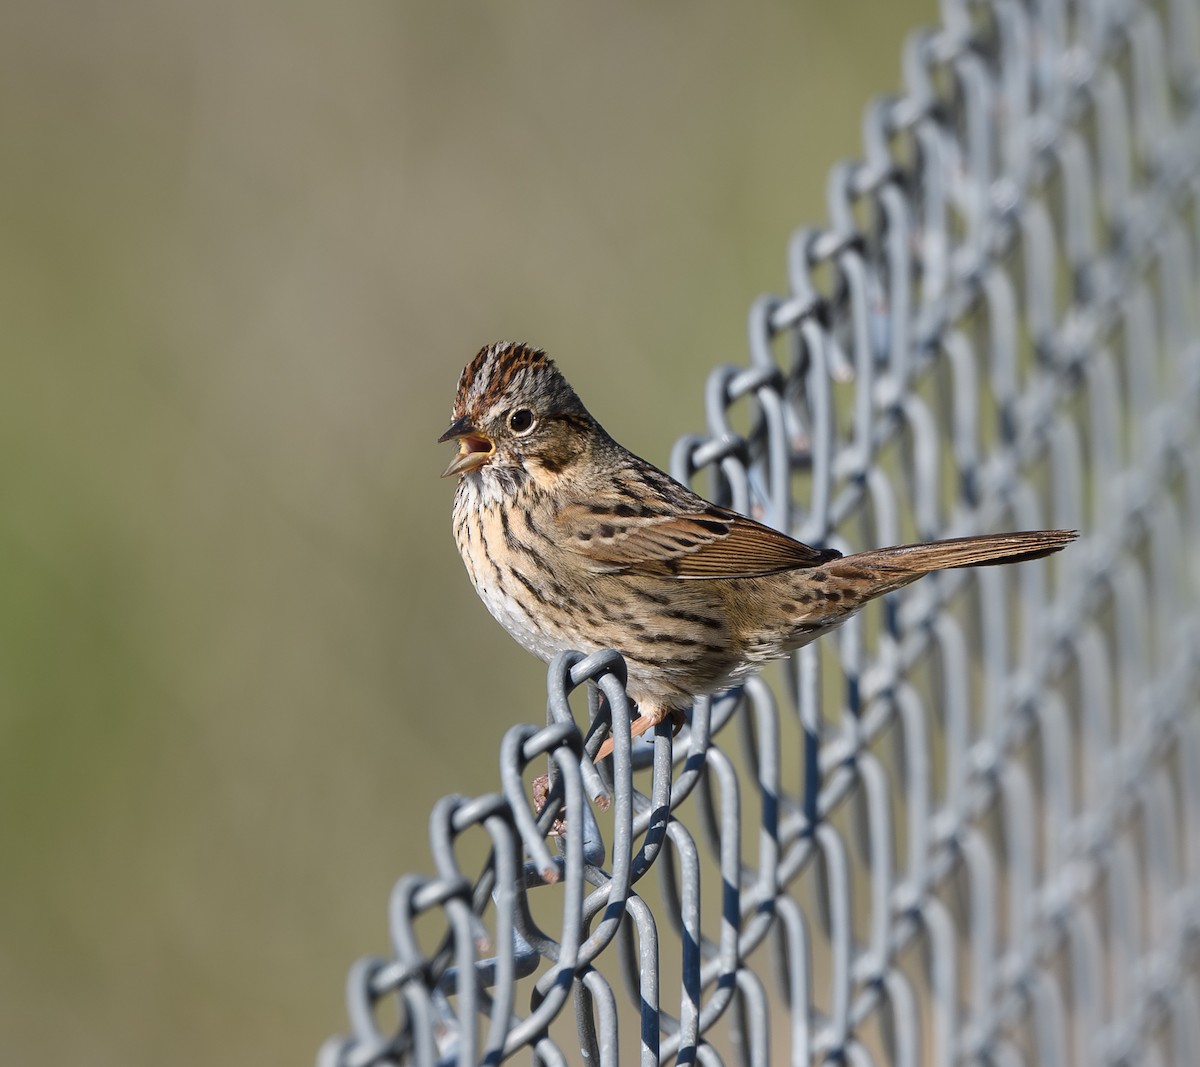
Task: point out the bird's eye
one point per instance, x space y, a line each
520 420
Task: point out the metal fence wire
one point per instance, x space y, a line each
965 828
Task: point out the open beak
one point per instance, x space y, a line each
474 448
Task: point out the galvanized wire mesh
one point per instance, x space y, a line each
966 828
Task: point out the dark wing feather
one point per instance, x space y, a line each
712 543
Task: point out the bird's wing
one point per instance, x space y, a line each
616 536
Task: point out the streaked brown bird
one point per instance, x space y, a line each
573 542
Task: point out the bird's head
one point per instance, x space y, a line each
515 412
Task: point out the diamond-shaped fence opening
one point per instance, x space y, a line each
966 827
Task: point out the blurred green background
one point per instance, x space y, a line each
246 250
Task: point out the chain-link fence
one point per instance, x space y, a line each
966 827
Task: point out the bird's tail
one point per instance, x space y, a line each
885 569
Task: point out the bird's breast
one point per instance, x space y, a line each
511 571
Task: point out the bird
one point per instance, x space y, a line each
574 542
